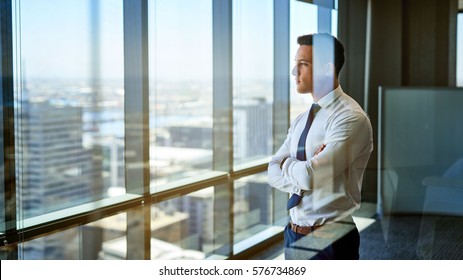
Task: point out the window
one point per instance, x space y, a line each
70 103
103 239
252 80
183 227
253 212
180 96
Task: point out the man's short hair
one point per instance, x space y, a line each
326 48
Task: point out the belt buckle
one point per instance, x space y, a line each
295 227
301 229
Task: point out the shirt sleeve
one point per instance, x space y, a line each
348 137
275 174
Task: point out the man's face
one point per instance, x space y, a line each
302 70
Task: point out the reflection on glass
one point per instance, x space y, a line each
70 100
420 149
104 239
334 23
183 227
180 51
252 79
421 164
303 20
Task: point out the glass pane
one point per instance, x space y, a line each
428 156
70 103
180 51
104 239
421 163
253 211
183 227
252 80
334 23
303 20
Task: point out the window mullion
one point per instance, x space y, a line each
137 124
222 86
8 123
223 122
281 76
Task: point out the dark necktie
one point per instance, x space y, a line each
300 155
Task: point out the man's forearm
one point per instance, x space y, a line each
275 177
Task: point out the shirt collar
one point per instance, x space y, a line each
326 100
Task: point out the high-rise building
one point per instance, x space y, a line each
54 170
252 130
200 206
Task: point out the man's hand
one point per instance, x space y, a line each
320 149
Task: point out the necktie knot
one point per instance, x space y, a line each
315 107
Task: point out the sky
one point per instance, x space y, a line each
55 38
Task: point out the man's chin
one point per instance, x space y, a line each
303 91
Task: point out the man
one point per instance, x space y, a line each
322 167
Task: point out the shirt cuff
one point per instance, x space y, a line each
285 166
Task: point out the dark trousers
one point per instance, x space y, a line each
319 247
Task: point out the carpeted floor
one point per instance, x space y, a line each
410 237
413 238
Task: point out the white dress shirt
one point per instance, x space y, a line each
330 181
